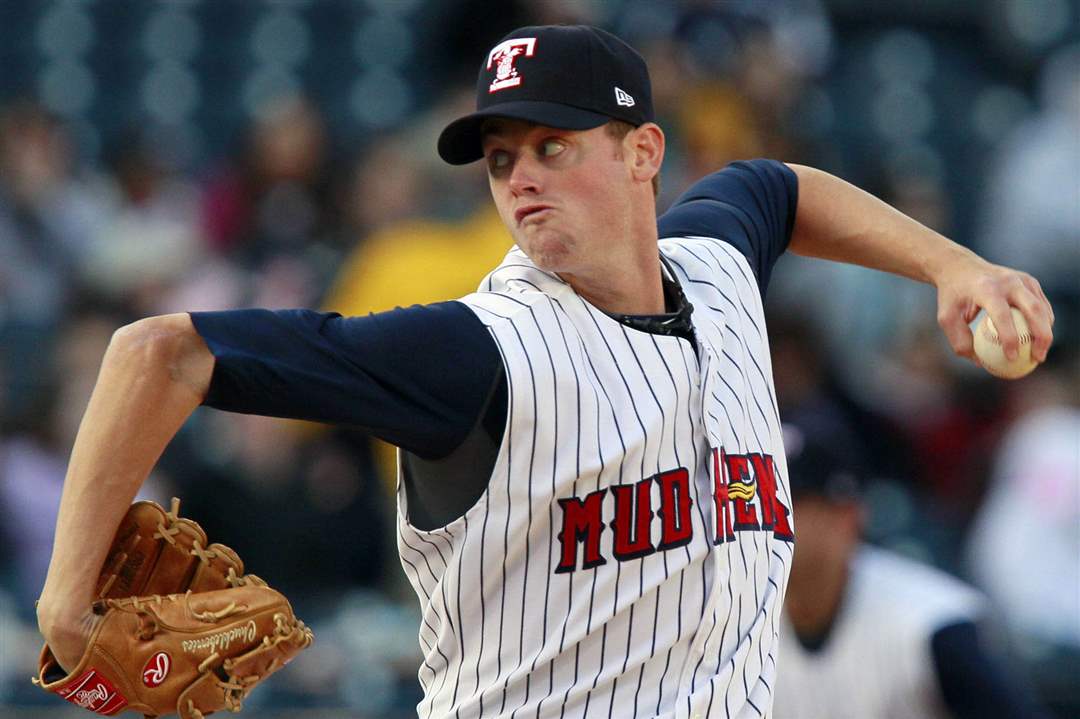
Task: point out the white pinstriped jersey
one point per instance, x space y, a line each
629 556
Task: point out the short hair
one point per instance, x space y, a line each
617 130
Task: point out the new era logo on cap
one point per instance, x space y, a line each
622 97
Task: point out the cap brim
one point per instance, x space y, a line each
460 143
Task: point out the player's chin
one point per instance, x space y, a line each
547 261
547 251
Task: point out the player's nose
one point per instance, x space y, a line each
525 176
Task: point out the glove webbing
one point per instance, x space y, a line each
236 688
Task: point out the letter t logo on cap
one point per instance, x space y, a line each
503 56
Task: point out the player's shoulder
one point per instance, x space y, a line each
701 257
917 595
738 192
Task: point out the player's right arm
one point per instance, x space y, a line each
155 372
838 221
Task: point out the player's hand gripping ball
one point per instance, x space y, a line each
991 353
181 628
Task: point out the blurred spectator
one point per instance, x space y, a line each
1031 212
33 460
419 261
873 315
312 519
1024 547
727 78
152 237
869 633
277 199
809 394
49 209
951 419
49 212
388 184
718 126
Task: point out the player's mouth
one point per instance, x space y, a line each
523 213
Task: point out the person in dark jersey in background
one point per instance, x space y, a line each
868 632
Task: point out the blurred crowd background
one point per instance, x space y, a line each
208 154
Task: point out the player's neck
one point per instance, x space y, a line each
814 598
632 287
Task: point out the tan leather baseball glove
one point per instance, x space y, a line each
181 630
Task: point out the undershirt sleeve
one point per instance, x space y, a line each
415 377
748 204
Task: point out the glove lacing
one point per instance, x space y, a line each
148 625
236 688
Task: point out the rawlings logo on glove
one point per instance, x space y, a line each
156 670
92 691
182 629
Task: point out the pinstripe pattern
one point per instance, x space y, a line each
686 631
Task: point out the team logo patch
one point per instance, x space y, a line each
92 691
156 669
622 97
502 58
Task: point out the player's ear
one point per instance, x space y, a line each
644 146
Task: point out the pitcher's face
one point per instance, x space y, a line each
560 192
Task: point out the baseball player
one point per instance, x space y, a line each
870 633
593 504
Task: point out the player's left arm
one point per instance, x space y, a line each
154 374
835 220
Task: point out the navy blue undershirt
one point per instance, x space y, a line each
427 378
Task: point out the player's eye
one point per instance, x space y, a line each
498 159
550 148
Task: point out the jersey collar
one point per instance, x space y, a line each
674 322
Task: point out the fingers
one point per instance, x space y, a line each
1036 289
996 292
1001 313
1038 312
954 322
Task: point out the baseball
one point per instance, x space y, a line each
992 355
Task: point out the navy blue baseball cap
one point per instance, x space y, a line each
573 77
823 466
